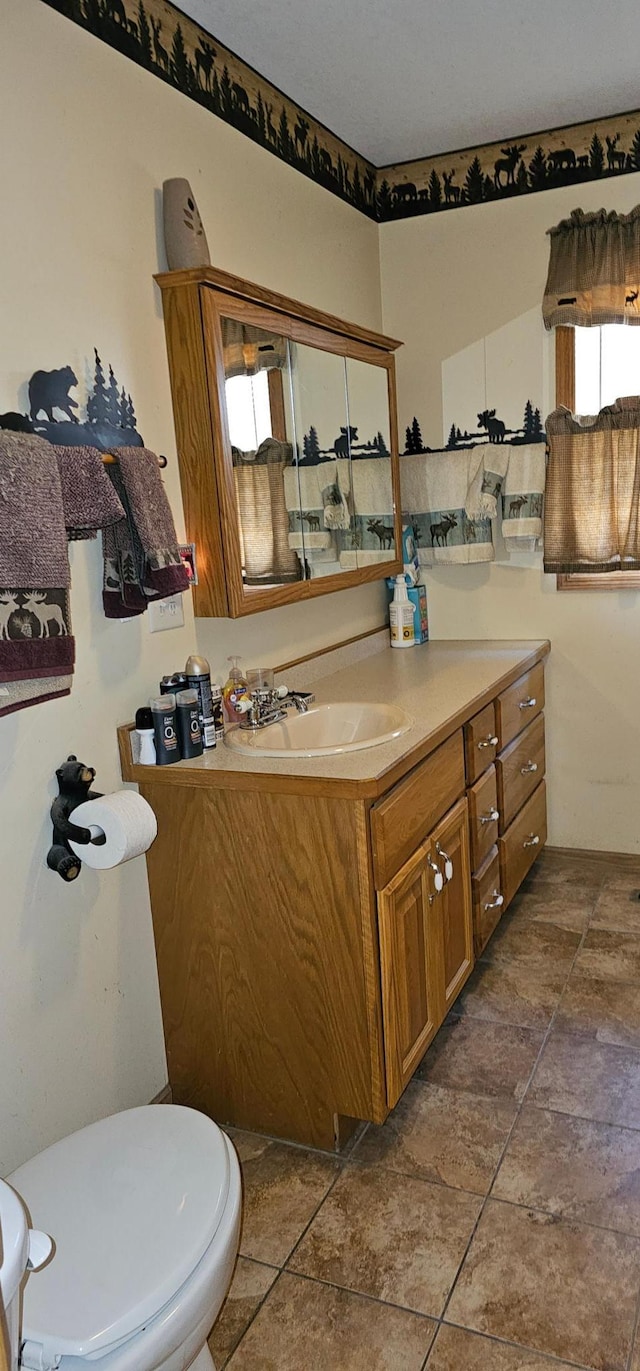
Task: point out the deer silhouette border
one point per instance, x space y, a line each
158 36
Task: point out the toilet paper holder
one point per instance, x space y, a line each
74 788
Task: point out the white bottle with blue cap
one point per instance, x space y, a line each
401 623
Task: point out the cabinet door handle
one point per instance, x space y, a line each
496 902
490 817
489 741
527 704
531 841
526 770
448 864
438 878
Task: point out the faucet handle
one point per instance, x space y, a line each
244 704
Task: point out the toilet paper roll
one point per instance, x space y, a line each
128 823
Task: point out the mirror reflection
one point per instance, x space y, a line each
310 445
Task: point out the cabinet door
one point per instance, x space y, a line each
449 846
411 970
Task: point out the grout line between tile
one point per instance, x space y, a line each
511 1130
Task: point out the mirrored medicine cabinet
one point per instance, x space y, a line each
286 431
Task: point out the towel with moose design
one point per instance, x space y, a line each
434 498
523 497
371 535
36 645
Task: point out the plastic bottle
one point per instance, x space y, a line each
163 710
401 616
188 717
199 678
234 688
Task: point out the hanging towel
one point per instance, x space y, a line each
435 487
372 535
89 499
36 645
333 479
142 561
523 497
487 482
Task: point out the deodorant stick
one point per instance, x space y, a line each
163 710
188 717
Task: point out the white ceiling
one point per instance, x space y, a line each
404 78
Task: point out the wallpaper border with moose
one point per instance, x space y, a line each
159 37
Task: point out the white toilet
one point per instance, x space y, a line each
144 1211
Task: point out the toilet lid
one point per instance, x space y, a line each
132 1203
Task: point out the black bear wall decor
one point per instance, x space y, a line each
74 785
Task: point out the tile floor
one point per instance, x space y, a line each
493 1222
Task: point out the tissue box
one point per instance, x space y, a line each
418 597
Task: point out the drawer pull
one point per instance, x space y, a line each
489 818
438 878
448 864
490 741
528 769
496 902
531 841
528 704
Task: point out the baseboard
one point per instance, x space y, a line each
164 1096
630 859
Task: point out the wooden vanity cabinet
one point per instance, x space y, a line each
312 931
426 945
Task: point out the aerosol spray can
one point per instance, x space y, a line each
199 678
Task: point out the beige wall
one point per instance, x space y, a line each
88 138
449 282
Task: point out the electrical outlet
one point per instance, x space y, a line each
164 614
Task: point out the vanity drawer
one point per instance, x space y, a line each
488 901
407 814
483 816
479 747
520 769
518 705
522 842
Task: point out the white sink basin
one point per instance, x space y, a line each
323 731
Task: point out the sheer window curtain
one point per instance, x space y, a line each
263 520
592 496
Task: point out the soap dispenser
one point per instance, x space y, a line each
401 623
233 690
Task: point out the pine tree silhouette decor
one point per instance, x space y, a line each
416 435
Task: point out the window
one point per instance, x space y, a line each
594 366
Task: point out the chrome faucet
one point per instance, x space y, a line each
262 707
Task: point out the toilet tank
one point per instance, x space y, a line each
14 1253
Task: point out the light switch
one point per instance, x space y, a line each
165 614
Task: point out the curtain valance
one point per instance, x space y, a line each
248 350
592 499
594 270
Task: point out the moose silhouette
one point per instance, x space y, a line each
440 532
508 163
383 532
517 505
300 132
36 603
312 520
495 427
343 442
8 606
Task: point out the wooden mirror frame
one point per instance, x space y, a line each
192 303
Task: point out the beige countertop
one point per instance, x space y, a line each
439 684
